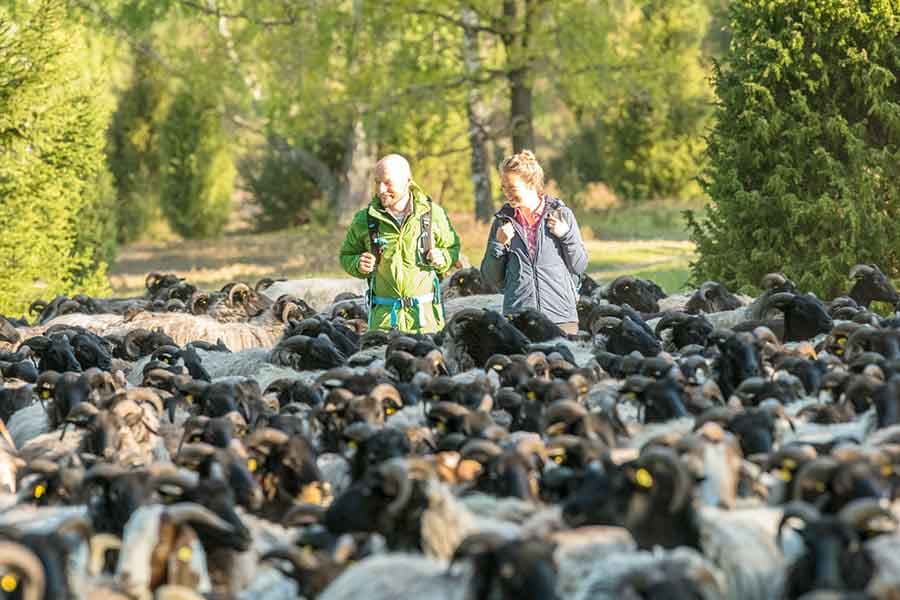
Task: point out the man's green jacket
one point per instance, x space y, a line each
401 272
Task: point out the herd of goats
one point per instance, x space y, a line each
243 444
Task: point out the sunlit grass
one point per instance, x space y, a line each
656 249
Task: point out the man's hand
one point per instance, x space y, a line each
505 233
436 258
557 225
366 263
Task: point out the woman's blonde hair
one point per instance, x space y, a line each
526 166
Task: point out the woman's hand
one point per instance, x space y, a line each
505 233
557 225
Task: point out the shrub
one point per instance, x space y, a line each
198 174
803 159
52 134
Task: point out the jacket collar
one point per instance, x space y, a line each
550 203
417 196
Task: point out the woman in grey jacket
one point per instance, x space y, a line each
534 251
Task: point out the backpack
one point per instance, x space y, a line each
376 243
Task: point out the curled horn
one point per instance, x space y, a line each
819 469
773 280
860 512
860 340
151 279
486 447
132 349
239 288
776 301
670 460
797 510
267 436
463 316
25 560
395 472
37 307
532 446
669 319
859 271
289 308
191 512
597 324
199 303
706 287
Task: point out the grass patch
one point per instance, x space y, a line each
647 221
312 251
667 262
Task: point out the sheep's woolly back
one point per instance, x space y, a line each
512 510
885 550
609 573
28 423
253 363
742 543
139 538
578 552
641 434
398 576
318 293
270 584
447 522
335 470
483 301
49 447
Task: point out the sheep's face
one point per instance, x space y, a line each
663 400
643 295
628 337
872 285
597 500
536 326
467 282
383 445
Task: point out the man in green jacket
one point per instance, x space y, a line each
387 243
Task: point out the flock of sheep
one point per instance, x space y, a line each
244 443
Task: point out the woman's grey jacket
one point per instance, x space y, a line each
548 283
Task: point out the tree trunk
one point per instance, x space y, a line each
355 183
521 118
519 75
476 113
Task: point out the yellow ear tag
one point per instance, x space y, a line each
441 427
887 470
782 474
532 395
251 464
9 583
841 341
189 398
311 494
39 490
789 464
185 553
390 410
820 487
643 478
558 460
352 445
45 394
497 367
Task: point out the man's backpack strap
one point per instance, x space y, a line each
425 231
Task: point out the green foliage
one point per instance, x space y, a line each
198 174
284 194
642 126
803 160
52 126
134 147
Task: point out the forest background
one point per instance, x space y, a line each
233 139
